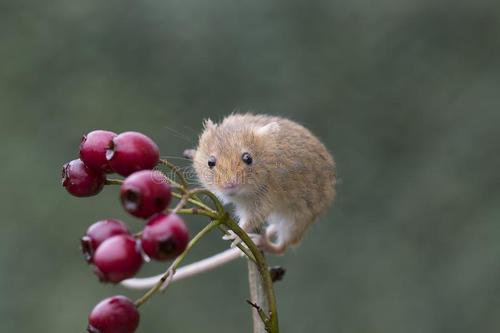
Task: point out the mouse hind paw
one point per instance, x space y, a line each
265 243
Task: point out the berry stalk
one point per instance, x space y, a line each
176 263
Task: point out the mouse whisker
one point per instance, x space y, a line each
179 135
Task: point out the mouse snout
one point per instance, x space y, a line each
229 185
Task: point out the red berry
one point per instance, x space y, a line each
164 237
117 314
93 150
145 193
98 233
117 259
80 180
132 151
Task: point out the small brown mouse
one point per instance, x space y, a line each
275 172
272 170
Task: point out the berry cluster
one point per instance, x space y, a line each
114 253
104 152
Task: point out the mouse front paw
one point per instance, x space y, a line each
231 236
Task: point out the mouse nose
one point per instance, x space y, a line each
229 185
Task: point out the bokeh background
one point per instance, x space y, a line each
405 93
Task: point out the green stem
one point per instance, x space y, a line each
175 169
196 203
271 323
240 246
113 182
259 310
176 263
193 211
182 202
215 200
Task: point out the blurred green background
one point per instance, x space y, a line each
406 94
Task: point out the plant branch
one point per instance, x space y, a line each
193 211
215 200
176 263
261 313
179 174
198 204
113 182
272 324
240 246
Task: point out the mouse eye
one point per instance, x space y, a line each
247 158
211 162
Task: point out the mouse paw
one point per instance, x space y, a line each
264 243
231 236
189 153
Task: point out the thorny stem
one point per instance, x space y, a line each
261 312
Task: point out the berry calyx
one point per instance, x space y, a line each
98 233
164 237
80 180
93 149
117 258
117 314
129 152
145 193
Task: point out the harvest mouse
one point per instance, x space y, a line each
275 172
272 170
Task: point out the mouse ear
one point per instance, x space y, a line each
208 124
271 128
